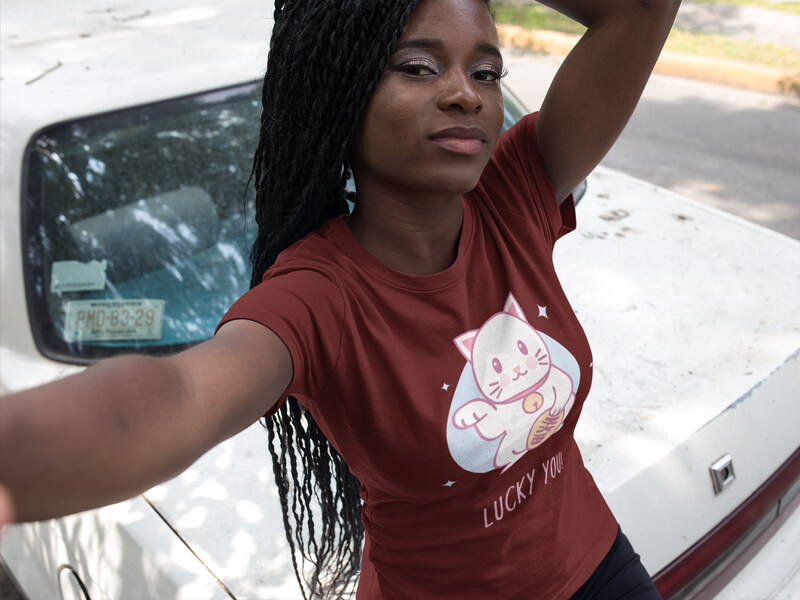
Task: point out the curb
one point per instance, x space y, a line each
714 70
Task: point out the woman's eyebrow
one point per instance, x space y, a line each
420 43
436 44
489 49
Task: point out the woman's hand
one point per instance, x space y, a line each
599 83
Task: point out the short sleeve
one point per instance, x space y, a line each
304 308
515 179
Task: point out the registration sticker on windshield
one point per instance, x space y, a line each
113 320
75 276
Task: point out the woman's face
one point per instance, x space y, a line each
437 110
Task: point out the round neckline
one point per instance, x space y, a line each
363 260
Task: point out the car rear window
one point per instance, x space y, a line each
137 224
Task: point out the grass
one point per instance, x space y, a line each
537 16
720 46
790 6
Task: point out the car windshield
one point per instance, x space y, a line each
137 224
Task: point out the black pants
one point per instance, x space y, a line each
620 576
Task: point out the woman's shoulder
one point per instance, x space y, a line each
320 248
516 150
516 182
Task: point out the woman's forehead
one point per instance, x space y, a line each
443 18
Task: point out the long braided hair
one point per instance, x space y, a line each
325 59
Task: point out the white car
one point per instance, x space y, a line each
127 134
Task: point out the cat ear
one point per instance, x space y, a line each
465 342
513 308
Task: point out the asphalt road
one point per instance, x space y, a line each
733 149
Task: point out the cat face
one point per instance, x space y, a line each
509 358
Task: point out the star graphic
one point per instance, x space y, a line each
449 484
542 311
445 386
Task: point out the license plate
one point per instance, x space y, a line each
113 320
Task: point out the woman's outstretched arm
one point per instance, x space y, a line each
131 422
599 83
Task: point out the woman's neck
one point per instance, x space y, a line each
417 238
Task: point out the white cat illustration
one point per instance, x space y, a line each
525 397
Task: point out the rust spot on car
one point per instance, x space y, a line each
615 215
683 218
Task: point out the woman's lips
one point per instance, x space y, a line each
461 140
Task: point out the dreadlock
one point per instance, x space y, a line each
325 59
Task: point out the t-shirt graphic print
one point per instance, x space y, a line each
515 391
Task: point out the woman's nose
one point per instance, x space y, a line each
459 93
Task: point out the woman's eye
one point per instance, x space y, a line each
417 68
489 73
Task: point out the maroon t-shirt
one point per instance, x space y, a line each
453 397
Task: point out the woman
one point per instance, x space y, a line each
426 333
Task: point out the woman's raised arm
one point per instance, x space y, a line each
599 83
131 422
